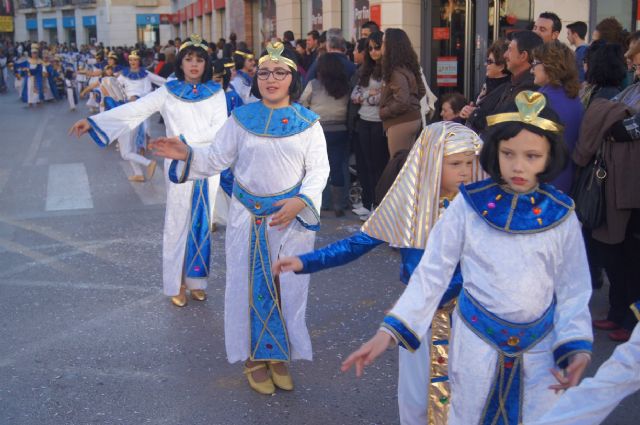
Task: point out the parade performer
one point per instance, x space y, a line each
278 155
137 82
523 306
49 79
32 73
591 402
193 107
245 65
443 157
16 67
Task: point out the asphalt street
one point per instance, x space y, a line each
86 336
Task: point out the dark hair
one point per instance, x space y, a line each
295 89
361 44
558 153
369 67
498 48
201 53
323 37
161 57
302 43
456 100
332 75
579 28
239 60
610 30
559 63
557 23
373 26
288 36
314 34
219 68
527 41
606 66
399 53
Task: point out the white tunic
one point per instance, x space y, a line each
515 277
591 402
198 122
265 166
142 86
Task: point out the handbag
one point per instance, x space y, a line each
588 191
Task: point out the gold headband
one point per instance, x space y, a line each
134 55
243 54
230 65
112 55
529 104
196 41
274 53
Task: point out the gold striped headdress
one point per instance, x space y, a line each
411 207
134 55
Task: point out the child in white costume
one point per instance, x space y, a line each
591 402
524 302
194 107
443 157
277 152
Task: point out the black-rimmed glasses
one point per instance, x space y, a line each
278 74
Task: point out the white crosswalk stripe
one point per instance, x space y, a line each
68 187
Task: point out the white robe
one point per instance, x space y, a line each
591 402
515 277
198 122
265 166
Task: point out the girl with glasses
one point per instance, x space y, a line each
277 152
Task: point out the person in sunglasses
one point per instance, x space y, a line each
277 152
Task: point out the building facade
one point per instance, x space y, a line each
112 22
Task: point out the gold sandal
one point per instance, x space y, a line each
180 300
284 382
265 387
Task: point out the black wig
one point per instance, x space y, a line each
558 152
295 89
201 53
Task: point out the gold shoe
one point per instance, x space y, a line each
265 387
151 168
198 294
180 300
284 382
136 179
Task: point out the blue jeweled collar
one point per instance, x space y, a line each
263 121
134 75
192 92
539 210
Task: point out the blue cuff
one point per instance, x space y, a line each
173 174
314 223
96 133
405 336
563 352
338 253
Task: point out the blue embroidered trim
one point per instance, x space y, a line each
110 103
258 119
141 136
198 241
405 336
192 92
96 133
269 338
233 100
173 177
226 181
511 339
314 227
444 378
134 75
504 402
541 209
635 307
565 350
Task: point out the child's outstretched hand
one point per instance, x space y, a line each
286 264
169 147
80 128
367 353
572 374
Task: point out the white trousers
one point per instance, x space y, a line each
413 383
129 152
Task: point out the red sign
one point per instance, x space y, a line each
175 18
183 14
447 71
190 11
441 33
197 8
207 6
375 14
165 18
219 4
